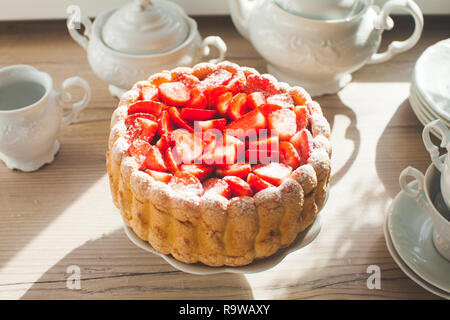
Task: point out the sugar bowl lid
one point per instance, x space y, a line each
146 27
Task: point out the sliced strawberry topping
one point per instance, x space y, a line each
190 114
215 79
274 173
149 129
212 94
238 186
190 81
138 150
184 182
147 106
187 146
283 123
172 160
238 106
154 160
164 123
289 155
252 120
165 141
256 183
219 155
302 141
241 170
217 124
223 103
268 108
236 83
176 118
302 116
159 176
283 99
261 83
174 93
149 93
217 186
198 99
269 143
198 170
255 99
131 118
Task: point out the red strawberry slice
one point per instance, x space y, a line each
289 155
147 106
172 160
267 109
261 83
302 141
174 93
283 99
198 170
269 143
217 124
165 141
176 118
239 145
253 120
241 170
283 122
237 82
154 160
149 93
256 183
223 103
302 116
131 118
255 99
274 173
190 81
149 129
164 123
184 182
198 99
187 146
219 155
238 106
159 176
212 94
190 114
138 150
215 79
238 186
262 156
217 186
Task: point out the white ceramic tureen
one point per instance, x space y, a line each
129 44
318 43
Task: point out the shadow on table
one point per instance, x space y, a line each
114 268
400 145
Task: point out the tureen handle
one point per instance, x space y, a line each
384 22
143 4
215 42
433 150
73 26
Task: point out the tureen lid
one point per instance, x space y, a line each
145 27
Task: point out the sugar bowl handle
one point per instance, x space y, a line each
384 22
73 26
215 42
433 150
64 98
417 194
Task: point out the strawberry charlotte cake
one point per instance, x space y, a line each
218 164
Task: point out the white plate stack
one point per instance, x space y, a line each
430 85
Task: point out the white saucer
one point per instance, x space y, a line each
302 240
431 75
429 110
421 115
410 228
413 276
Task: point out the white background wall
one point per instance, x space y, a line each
56 9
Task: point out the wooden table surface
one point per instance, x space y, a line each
62 215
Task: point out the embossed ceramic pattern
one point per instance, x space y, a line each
320 55
122 70
28 135
411 231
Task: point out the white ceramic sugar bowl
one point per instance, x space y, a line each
129 44
319 53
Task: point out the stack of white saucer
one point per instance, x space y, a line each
430 85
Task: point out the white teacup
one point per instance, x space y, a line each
442 164
31 115
427 190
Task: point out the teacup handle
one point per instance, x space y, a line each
384 22
215 42
433 150
417 194
64 97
